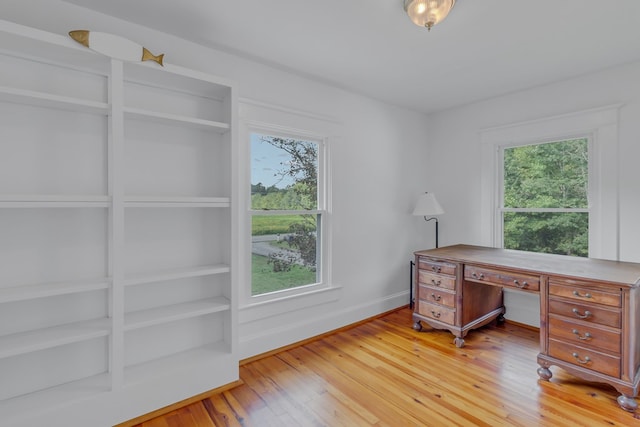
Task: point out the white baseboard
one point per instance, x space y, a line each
265 340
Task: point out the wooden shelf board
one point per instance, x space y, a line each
40 290
178 273
47 100
175 312
40 339
157 117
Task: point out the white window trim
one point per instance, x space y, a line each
601 126
247 300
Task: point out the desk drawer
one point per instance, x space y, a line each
437 312
502 278
589 313
585 334
440 267
584 294
437 296
436 280
586 358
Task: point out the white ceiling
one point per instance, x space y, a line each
483 49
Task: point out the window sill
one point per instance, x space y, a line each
267 308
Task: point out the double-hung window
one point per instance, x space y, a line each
287 209
545 197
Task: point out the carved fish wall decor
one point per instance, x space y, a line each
114 46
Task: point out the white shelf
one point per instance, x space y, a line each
40 290
145 129
171 313
178 79
140 114
54 201
176 202
42 46
42 99
174 274
143 372
55 396
26 342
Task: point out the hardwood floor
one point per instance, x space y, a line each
383 373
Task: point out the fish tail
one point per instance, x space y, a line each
148 56
81 36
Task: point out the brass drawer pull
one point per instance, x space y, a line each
436 282
586 314
436 315
585 337
583 362
519 285
477 276
436 269
436 297
577 294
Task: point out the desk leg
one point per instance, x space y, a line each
627 403
545 373
459 342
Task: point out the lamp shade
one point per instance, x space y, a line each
427 205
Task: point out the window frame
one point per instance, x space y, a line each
601 125
592 196
322 237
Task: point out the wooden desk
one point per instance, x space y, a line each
589 308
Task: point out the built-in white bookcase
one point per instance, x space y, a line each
116 231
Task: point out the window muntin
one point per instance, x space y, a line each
286 213
545 189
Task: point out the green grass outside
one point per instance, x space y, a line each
265 280
273 224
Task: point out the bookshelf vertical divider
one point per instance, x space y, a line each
115 168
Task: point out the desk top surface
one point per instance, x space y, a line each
623 273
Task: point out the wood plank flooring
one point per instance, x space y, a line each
383 373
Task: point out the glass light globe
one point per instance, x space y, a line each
427 13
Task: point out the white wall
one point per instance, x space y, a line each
378 169
455 150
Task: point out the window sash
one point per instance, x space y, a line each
501 209
557 210
321 212
286 212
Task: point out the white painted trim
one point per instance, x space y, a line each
264 340
285 122
292 302
600 125
116 165
288 110
605 113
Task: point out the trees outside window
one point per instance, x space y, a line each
286 213
545 197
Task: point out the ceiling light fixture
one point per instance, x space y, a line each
427 13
